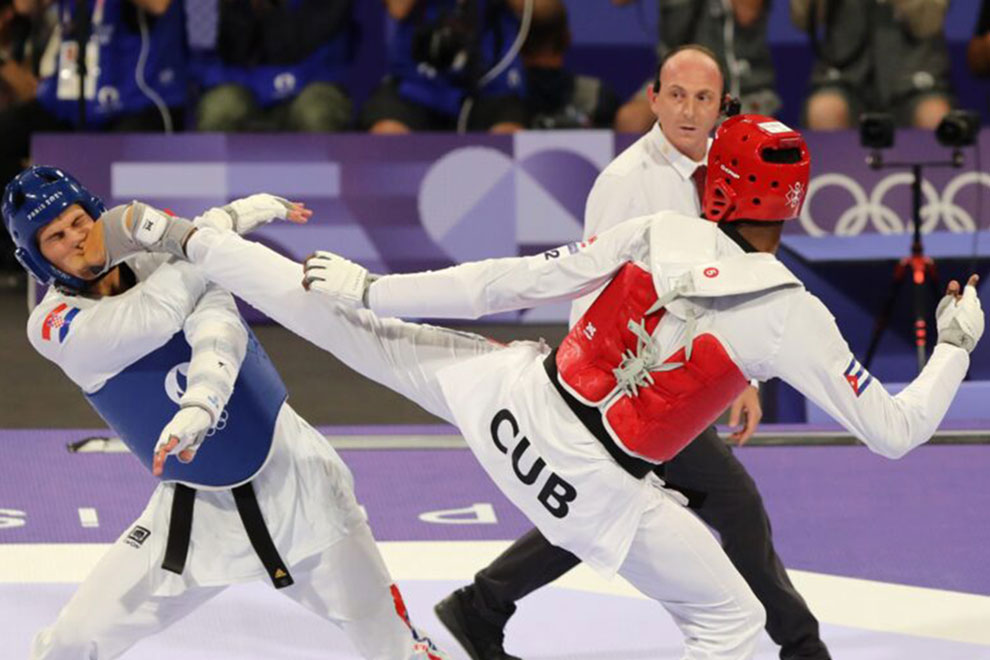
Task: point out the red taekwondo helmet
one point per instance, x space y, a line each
757 170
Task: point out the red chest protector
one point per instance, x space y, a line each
667 406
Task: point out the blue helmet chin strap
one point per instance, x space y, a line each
33 199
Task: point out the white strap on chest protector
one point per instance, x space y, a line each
740 275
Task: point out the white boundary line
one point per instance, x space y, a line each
850 602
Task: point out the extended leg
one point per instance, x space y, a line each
725 496
404 357
114 608
349 585
675 560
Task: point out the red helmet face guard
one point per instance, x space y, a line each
758 169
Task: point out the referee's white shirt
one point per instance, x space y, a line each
648 177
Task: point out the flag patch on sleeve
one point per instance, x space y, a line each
57 322
574 248
857 377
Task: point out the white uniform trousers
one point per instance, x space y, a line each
673 558
347 584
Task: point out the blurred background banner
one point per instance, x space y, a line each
427 201
433 200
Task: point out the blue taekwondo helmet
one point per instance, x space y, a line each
31 200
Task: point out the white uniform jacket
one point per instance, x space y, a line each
782 331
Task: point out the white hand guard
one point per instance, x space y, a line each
184 434
336 277
247 214
960 322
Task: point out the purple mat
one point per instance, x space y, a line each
921 521
252 622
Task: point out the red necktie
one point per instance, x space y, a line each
699 176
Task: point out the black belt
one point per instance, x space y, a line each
591 417
180 526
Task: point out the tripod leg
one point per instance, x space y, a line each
922 277
883 318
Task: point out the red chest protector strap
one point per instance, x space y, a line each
591 417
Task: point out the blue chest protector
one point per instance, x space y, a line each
139 401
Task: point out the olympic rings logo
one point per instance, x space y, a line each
221 423
872 210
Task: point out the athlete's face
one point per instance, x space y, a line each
687 105
63 243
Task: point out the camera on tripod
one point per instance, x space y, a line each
957 129
446 44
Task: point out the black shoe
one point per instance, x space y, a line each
480 639
813 651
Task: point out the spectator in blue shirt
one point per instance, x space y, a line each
452 64
135 78
277 65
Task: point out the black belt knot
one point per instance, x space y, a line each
591 418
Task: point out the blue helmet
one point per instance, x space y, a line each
31 200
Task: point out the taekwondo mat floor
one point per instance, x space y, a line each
890 555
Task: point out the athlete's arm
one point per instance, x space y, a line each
218 339
474 289
128 229
104 337
815 359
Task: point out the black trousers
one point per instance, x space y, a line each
723 494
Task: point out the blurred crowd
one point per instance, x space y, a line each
477 65
467 65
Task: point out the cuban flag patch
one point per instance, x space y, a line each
57 322
571 248
574 248
857 377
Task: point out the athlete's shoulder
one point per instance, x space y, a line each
811 306
52 320
144 264
804 317
679 226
